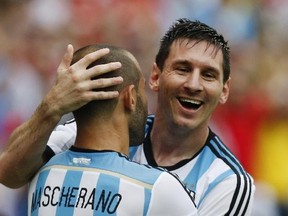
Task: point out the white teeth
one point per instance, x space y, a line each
190 101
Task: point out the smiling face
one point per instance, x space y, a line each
190 86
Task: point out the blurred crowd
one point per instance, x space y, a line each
34 35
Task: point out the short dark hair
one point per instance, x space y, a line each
193 30
129 71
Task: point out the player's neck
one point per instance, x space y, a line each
104 136
170 145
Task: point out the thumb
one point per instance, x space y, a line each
67 59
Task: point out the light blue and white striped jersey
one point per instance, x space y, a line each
220 184
218 181
81 182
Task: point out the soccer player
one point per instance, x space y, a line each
191 76
95 175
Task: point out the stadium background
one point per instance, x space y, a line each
34 35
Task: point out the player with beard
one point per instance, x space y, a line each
95 175
191 76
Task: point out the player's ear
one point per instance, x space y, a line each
130 98
154 78
225 92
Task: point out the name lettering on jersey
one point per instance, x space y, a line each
75 197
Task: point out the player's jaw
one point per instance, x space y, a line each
190 110
139 116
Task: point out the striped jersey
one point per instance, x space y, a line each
81 182
219 183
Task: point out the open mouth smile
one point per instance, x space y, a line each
190 104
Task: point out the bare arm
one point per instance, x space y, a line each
23 153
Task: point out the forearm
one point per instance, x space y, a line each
74 87
23 154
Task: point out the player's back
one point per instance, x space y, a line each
105 183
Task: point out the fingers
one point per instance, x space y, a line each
102 83
102 69
91 57
95 71
103 95
67 58
89 88
105 82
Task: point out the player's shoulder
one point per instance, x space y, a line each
167 187
227 167
225 157
145 168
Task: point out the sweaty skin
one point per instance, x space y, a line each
192 75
